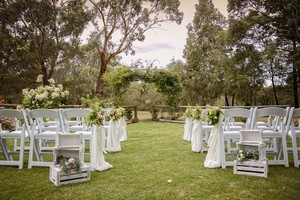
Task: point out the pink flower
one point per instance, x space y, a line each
2 100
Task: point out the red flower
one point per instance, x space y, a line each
2 101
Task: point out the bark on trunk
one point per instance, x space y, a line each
100 82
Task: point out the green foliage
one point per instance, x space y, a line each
128 113
169 85
205 52
119 79
87 102
196 113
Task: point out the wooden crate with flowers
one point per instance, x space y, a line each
68 164
251 157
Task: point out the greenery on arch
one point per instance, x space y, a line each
167 83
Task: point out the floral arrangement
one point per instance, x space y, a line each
6 124
67 164
114 114
96 116
213 114
188 112
48 96
121 112
197 113
246 155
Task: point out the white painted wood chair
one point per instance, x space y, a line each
43 137
294 134
73 120
275 135
18 134
230 133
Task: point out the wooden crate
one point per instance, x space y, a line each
252 168
59 177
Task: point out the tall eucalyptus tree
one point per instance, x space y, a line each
254 21
203 52
43 31
119 23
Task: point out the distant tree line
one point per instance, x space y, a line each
251 58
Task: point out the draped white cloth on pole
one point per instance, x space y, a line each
113 139
97 158
214 156
123 131
196 139
188 127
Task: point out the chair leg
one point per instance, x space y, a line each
4 149
295 151
5 146
22 147
284 149
31 150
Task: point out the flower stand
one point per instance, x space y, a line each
251 141
69 146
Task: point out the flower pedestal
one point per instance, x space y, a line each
251 141
97 158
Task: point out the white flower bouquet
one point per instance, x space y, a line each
45 96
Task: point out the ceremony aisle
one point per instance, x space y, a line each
155 163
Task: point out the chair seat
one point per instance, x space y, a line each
232 134
14 134
271 134
46 135
86 135
77 128
235 128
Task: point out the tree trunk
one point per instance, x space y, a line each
295 76
100 82
232 100
274 90
226 100
44 73
295 87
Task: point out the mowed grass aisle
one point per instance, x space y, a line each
155 163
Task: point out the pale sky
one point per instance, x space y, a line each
161 46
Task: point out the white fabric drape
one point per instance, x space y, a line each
113 139
97 158
196 139
214 157
188 127
123 131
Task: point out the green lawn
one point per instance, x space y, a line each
155 163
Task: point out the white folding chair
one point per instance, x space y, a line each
275 134
73 120
294 134
18 134
231 131
43 137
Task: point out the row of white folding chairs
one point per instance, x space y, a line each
39 132
274 132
